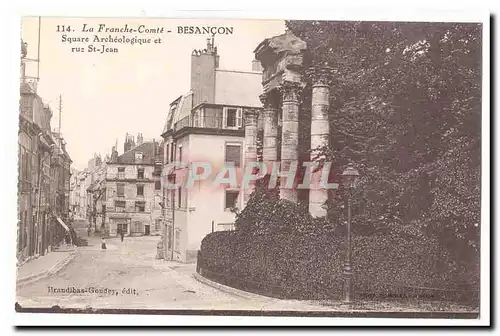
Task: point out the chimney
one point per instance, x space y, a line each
139 139
203 66
256 66
129 142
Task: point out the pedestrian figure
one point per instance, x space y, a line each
88 231
103 244
122 234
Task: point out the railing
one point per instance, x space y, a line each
209 122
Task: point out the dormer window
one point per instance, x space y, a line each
138 156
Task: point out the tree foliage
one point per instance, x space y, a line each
406 110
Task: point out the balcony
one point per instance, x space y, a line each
220 123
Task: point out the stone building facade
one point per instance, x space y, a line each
133 189
206 124
96 192
39 156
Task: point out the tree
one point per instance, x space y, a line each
406 111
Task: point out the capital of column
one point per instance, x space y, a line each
251 115
266 100
320 76
251 112
291 90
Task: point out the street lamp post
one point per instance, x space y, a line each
350 178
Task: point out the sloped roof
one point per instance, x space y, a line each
149 154
240 88
94 186
179 108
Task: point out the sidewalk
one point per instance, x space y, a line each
359 306
43 266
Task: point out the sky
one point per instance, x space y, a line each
104 96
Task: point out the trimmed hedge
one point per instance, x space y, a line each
310 266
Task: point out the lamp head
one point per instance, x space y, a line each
350 176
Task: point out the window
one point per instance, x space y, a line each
180 153
233 154
120 189
140 206
169 238
140 190
232 117
157 224
167 150
140 173
137 227
138 157
172 148
158 185
231 199
157 171
121 173
177 240
120 206
122 227
196 118
179 201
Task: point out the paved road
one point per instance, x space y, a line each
133 279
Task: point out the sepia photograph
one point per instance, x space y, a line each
251 167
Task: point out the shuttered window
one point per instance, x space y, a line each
140 190
231 199
233 154
120 189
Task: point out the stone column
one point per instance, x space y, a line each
270 121
251 130
320 132
290 135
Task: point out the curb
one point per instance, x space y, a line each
227 289
55 269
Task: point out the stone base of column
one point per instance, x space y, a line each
317 200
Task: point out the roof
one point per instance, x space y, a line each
232 88
150 153
179 108
239 88
94 185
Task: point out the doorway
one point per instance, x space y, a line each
147 230
122 227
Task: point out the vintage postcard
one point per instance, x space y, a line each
251 167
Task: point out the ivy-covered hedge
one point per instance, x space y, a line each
279 250
310 266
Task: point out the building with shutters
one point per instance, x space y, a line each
132 193
206 124
43 174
